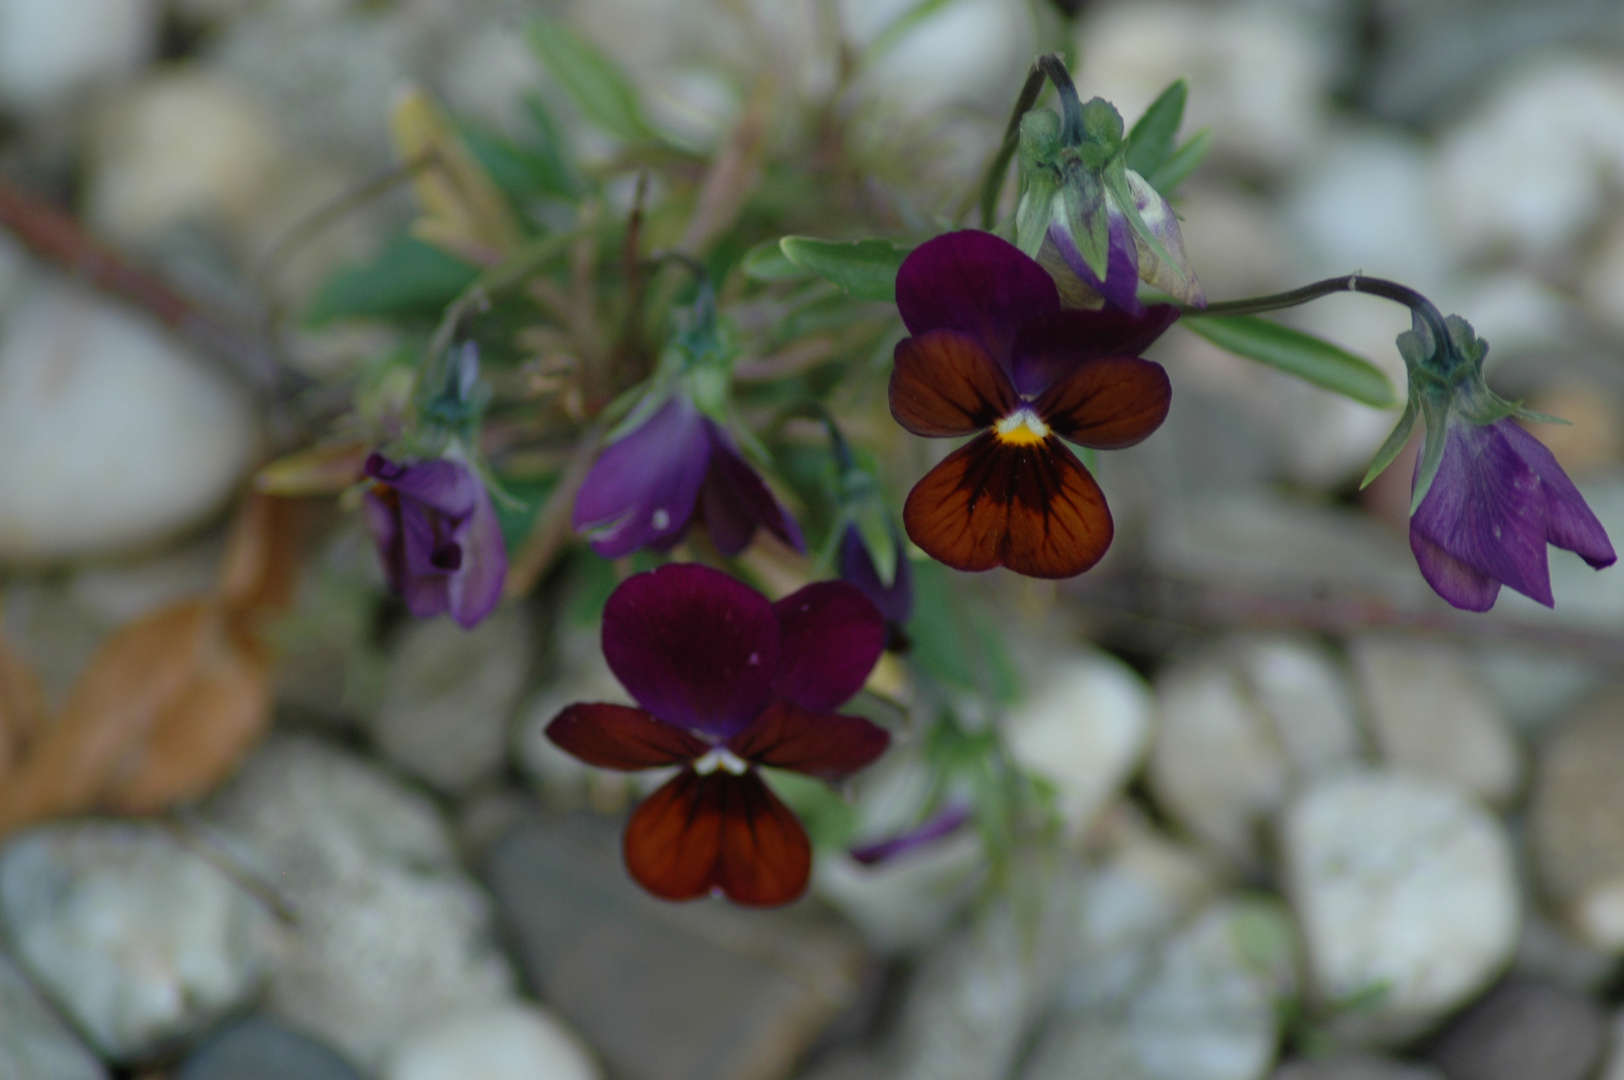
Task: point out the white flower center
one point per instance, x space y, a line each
721 758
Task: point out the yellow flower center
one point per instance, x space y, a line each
1021 428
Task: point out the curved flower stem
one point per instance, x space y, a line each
1387 290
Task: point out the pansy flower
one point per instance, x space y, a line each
727 682
1498 498
992 354
644 489
437 535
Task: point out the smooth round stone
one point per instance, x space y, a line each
112 433
1523 1028
1398 882
1084 729
34 1042
139 940
1356 1067
262 1049
51 49
515 1041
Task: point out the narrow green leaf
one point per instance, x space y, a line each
767 262
1395 442
601 90
866 269
1151 141
1298 353
408 278
1178 168
992 185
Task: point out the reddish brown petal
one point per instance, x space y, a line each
1031 507
1108 403
620 737
825 745
944 384
721 831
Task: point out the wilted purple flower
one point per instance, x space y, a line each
1498 498
895 600
437 535
643 490
945 822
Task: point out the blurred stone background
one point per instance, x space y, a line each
1317 826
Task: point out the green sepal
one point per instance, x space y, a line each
992 185
1395 443
1537 417
865 269
1116 183
1088 219
1182 165
1432 452
1150 143
1102 128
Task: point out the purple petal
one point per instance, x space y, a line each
944 822
1120 289
734 500
1569 522
693 646
831 636
1467 589
475 588
1486 509
895 601
641 491
441 484
1053 346
381 512
976 283
423 535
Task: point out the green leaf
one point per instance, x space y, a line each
1395 442
956 639
1298 353
866 269
408 278
766 261
1151 141
1185 160
601 90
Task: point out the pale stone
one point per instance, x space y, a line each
391 933
1612 1067
112 433
1084 729
52 49
514 1041
1398 882
138 939
1243 726
583 675
34 1042
967 52
183 146
450 695
1602 284
1430 716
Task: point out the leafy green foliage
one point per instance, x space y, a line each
956 639
1298 353
1184 162
407 280
865 269
604 93
1151 141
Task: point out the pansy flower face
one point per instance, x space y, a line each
727 682
437 535
993 355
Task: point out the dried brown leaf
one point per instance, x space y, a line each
260 569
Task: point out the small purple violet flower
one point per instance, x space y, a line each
1498 498
643 490
437 535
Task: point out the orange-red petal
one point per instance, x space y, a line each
944 383
1107 403
620 737
825 745
697 834
1031 507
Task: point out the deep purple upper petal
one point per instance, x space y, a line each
831 636
441 484
474 589
1120 289
734 500
642 489
895 601
1569 522
693 646
1052 346
976 283
1486 509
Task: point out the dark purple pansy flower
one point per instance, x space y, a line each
945 822
895 600
727 682
643 490
1498 498
438 536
